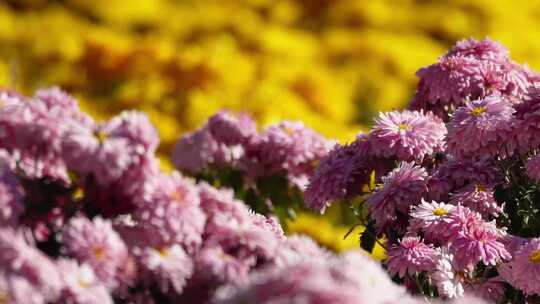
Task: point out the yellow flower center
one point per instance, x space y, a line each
163 252
534 257
440 212
289 131
99 252
478 111
480 188
403 127
100 136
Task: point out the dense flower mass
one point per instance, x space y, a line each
459 210
450 189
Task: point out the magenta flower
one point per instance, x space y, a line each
484 49
479 198
169 211
288 147
108 150
408 135
98 245
478 245
339 175
401 189
81 284
16 289
524 269
229 129
215 264
18 258
533 168
491 290
411 256
167 267
462 221
431 217
199 150
480 128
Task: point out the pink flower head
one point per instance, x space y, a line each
108 150
479 198
215 264
480 128
167 267
408 135
477 245
170 211
340 174
229 129
81 284
288 147
97 244
18 258
401 189
485 49
199 150
455 173
448 83
491 290
533 168
352 278
460 221
411 256
296 248
524 269
16 289
431 217
11 197
449 282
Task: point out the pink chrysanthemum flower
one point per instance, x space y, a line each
478 245
491 290
455 173
170 211
408 135
288 147
167 267
229 129
401 189
340 174
81 284
484 49
527 123
196 151
215 264
19 258
109 149
97 244
431 218
11 197
296 248
411 256
463 220
524 269
352 278
480 128
479 198
15 289
449 282
446 84
533 168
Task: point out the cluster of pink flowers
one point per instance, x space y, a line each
87 216
232 141
456 195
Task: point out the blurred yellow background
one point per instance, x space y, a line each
330 63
